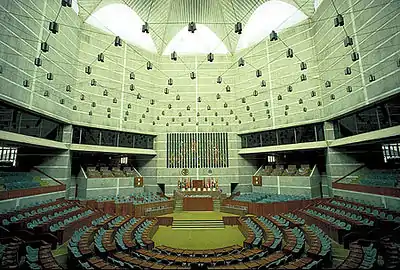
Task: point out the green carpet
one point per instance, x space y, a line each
201 239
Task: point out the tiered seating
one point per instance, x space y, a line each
282 221
352 218
295 241
279 169
318 241
142 233
339 224
106 173
290 171
267 198
391 252
92 172
380 178
75 218
257 231
273 241
266 171
120 235
19 180
372 212
360 257
293 219
303 263
116 171
129 172
10 257
304 170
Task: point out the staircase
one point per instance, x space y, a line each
182 224
178 205
216 205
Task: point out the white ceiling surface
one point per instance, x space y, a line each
167 18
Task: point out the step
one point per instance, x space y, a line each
197 224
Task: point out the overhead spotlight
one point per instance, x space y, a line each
25 83
289 53
192 75
46 93
180 114
68 88
263 83
225 105
139 96
129 106
88 70
54 27
355 56
398 62
210 57
279 97
62 101
44 46
152 101
100 57
231 112
75 108
219 79
105 93
198 99
82 97
241 62
50 76
198 114
300 101
192 27
273 36
178 97
208 107
132 87
372 78
338 21
319 103
216 113
170 81
115 100
347 71
238 28
166 91
332 97
303 66
174 56
303 77
149 65
228 88
304 109
132 76
66 3
218 96
188 108
93 82
348 41
328 84
117 41
145 28
38 62
289 88
93 104
169 106
248 108
258 73
255 93
349 89
266 104
243 100
313 93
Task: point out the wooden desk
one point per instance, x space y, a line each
198 204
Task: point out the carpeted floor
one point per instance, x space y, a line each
198 239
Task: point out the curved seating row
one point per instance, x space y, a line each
359 257
352 218
319 243
274 235
295 241
293 219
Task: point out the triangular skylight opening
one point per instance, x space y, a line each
272 15
202 41
121 20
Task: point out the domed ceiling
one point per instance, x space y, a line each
166 18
